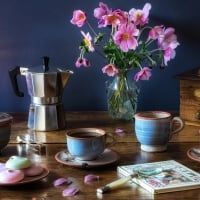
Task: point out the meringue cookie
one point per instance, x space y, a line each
18 162
11 176
2 166
33 170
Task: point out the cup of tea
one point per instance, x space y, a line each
87 143
154 129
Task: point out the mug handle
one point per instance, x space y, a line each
179 128
112 142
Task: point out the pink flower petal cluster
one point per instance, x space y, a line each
140 17
125 37
143 74
101 10
82 62
79 18
107 17
155 32
114 19
110 70
169 54
87 41
167 41
126 46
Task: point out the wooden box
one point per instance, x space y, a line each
190 96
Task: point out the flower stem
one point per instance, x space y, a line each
121 98
91 28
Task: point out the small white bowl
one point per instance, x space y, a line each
5 129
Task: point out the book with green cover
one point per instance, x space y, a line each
169 176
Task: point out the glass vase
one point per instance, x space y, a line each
122 97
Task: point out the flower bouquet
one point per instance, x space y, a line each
128 43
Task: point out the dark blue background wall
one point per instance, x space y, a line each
30 29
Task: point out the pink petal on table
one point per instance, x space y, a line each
90 178
61 181
120 131
68 192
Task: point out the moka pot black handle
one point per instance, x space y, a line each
13 73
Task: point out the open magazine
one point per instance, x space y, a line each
171 176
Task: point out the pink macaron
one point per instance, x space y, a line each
8 176
33 170
2 166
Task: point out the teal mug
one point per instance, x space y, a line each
87 143
154 129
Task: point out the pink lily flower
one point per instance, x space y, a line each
143 74
169 54
110 70
155 32
82 62
115 18
122 16
79 18
79 62
168 39
101 10
124 37
88 41
140 17
86 62
111 20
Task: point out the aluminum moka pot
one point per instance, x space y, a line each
45 86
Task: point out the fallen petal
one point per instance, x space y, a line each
68 192
90 178
120 131
61 181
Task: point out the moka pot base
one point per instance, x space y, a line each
46 117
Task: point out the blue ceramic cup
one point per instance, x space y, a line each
87 143
154 129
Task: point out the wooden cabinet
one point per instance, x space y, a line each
190 96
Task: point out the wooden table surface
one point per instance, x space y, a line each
126 145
